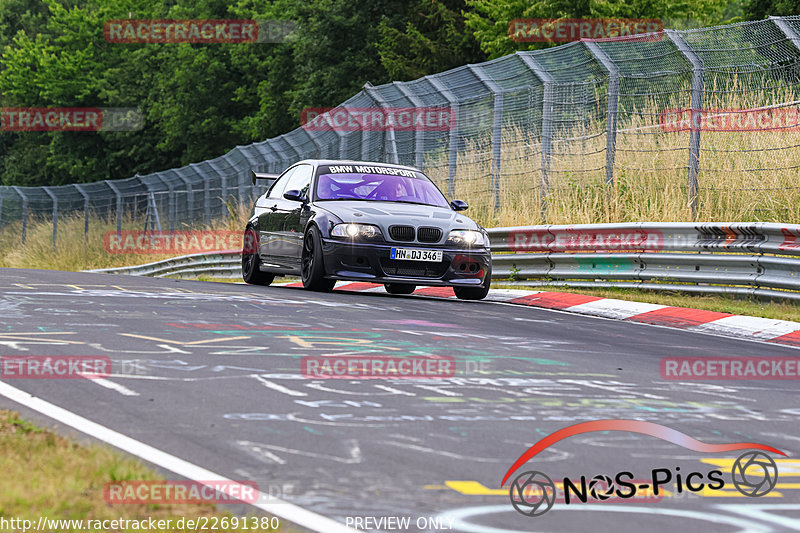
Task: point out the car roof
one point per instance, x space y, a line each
318 162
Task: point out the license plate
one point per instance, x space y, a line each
412 254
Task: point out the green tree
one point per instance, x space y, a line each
761 9
489 19
434 39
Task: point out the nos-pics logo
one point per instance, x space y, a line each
533 493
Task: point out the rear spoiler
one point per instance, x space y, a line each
269 178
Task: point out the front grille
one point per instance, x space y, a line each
415 269
402 233
429 234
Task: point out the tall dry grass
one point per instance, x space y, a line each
744 175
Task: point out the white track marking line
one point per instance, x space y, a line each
122 389
280 508
280 388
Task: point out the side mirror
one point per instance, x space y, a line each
294 195
458 205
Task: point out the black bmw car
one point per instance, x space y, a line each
360 221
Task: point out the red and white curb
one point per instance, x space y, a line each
725 324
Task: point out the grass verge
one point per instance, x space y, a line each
50 476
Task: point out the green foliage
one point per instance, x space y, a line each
761 9
434 39
201 100
489 19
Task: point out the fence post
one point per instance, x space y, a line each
119 204
85 211
299 155
696 108
55 214
453 159
419 130
787 30
24 210
171 200
318 144
613 105
376 96
547 121
189 195
497 128
280 156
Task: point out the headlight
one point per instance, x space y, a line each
466 237
357 231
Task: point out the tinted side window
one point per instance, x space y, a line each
300 180
280 184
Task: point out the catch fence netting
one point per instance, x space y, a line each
674 126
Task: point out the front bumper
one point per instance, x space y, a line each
372 263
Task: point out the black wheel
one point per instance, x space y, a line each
475 293
313 268
251 273
399 288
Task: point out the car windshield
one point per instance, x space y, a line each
412 188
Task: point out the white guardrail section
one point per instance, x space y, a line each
755 258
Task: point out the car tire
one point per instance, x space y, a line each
251 273
312 264
399 288
475 293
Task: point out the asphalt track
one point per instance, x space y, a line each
210 373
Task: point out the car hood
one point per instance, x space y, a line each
385 214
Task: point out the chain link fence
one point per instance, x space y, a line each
590 131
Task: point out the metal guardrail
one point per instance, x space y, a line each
226 264
756 259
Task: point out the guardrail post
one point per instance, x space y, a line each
24 210
55 214
613 105
419 130
391 138
119 204
85 211
453 158
547 122
497 128
696 108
